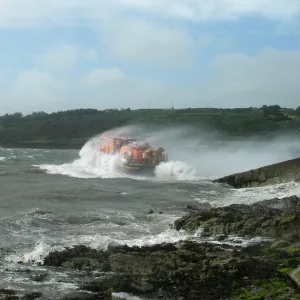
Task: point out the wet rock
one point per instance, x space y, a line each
115 248
151 212
271 218
8 294
198 206
79 258
279 244
191 270
277 289
221 237
9 297
31 296
87 264
39 276
107 284
119 283
141 286
86 296
284 204
185 269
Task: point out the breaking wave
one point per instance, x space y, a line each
175 170
92 164
89 165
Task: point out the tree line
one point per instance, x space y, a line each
71 128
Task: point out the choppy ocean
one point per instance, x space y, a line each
55 198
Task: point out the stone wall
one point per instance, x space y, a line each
285 171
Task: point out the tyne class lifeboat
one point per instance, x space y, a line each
135 155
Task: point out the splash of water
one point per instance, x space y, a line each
191 153
93 164
174 170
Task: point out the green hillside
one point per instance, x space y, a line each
70 129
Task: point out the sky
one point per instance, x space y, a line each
68 54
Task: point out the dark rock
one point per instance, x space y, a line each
199 206
279 244
80 258
9 297
221 237
284 204
191 270
204 270
270 218
39 276
31 296
112 248
117 283
86 296
151 211
7 294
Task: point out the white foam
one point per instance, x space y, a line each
124 296
90 165
231 240
168 236
93 164
42 248
2 158
218 196
152 231
175 170
252 195
36 255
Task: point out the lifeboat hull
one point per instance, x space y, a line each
138 168
135 156
141 158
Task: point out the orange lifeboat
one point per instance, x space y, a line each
135 155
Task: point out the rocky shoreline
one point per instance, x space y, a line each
211 266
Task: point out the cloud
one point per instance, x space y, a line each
66 57
90 55
206 10
270 77
101 88
36 90
236 80
103 76
205 39
129 92
19 13
135 37
140 41
63 57
32 79
22 14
